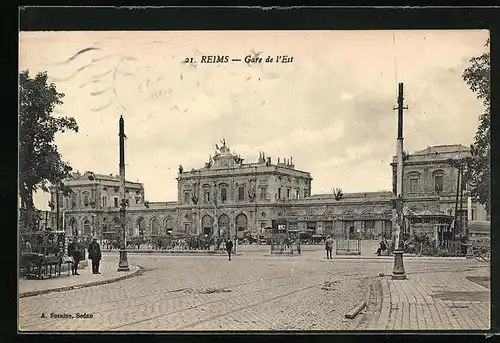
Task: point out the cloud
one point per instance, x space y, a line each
331 109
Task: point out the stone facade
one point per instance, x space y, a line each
230 197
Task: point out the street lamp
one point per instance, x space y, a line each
398 272
123 262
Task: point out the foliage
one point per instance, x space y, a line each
40 163
337 192
478 172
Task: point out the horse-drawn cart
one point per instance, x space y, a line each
42 253
479 241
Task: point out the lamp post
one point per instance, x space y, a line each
398 272
123 262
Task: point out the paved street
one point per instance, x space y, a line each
257 292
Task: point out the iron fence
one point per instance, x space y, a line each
348 247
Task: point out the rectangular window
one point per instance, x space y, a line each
473 214
263 192
86 199
104 202
279 193
73 200
288 193
187 227
186 197
306 193
223 194
413 185
116 201
137 200
297 194
206 195
438 183
241 193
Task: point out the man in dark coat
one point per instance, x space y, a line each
95 255
229 247
74 251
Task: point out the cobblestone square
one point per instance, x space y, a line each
259 292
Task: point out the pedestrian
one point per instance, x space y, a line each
95 255
382 247
329 247
229 247
74 251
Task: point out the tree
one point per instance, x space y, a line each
40 164
337 193
478 172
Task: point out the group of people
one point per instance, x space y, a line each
77 252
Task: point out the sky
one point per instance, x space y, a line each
330 108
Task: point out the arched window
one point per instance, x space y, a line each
169 224
206 224
129 227
155 224
73 227
86 227
223 224
241 222
140 227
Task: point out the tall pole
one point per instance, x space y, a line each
456 202
461 201
57 208
398 272
123 263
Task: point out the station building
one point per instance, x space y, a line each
230 197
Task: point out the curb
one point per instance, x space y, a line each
90 284
173 252
363 303
410 258
383 319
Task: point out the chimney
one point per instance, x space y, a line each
278 160
291 160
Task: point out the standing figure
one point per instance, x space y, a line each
75 252
229 247
329 247
382 247
95 255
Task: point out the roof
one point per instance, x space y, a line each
427 213
90 176
442 149
380 194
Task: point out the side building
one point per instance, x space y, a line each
230 197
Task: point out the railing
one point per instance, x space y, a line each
348 247
285 248
452 246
